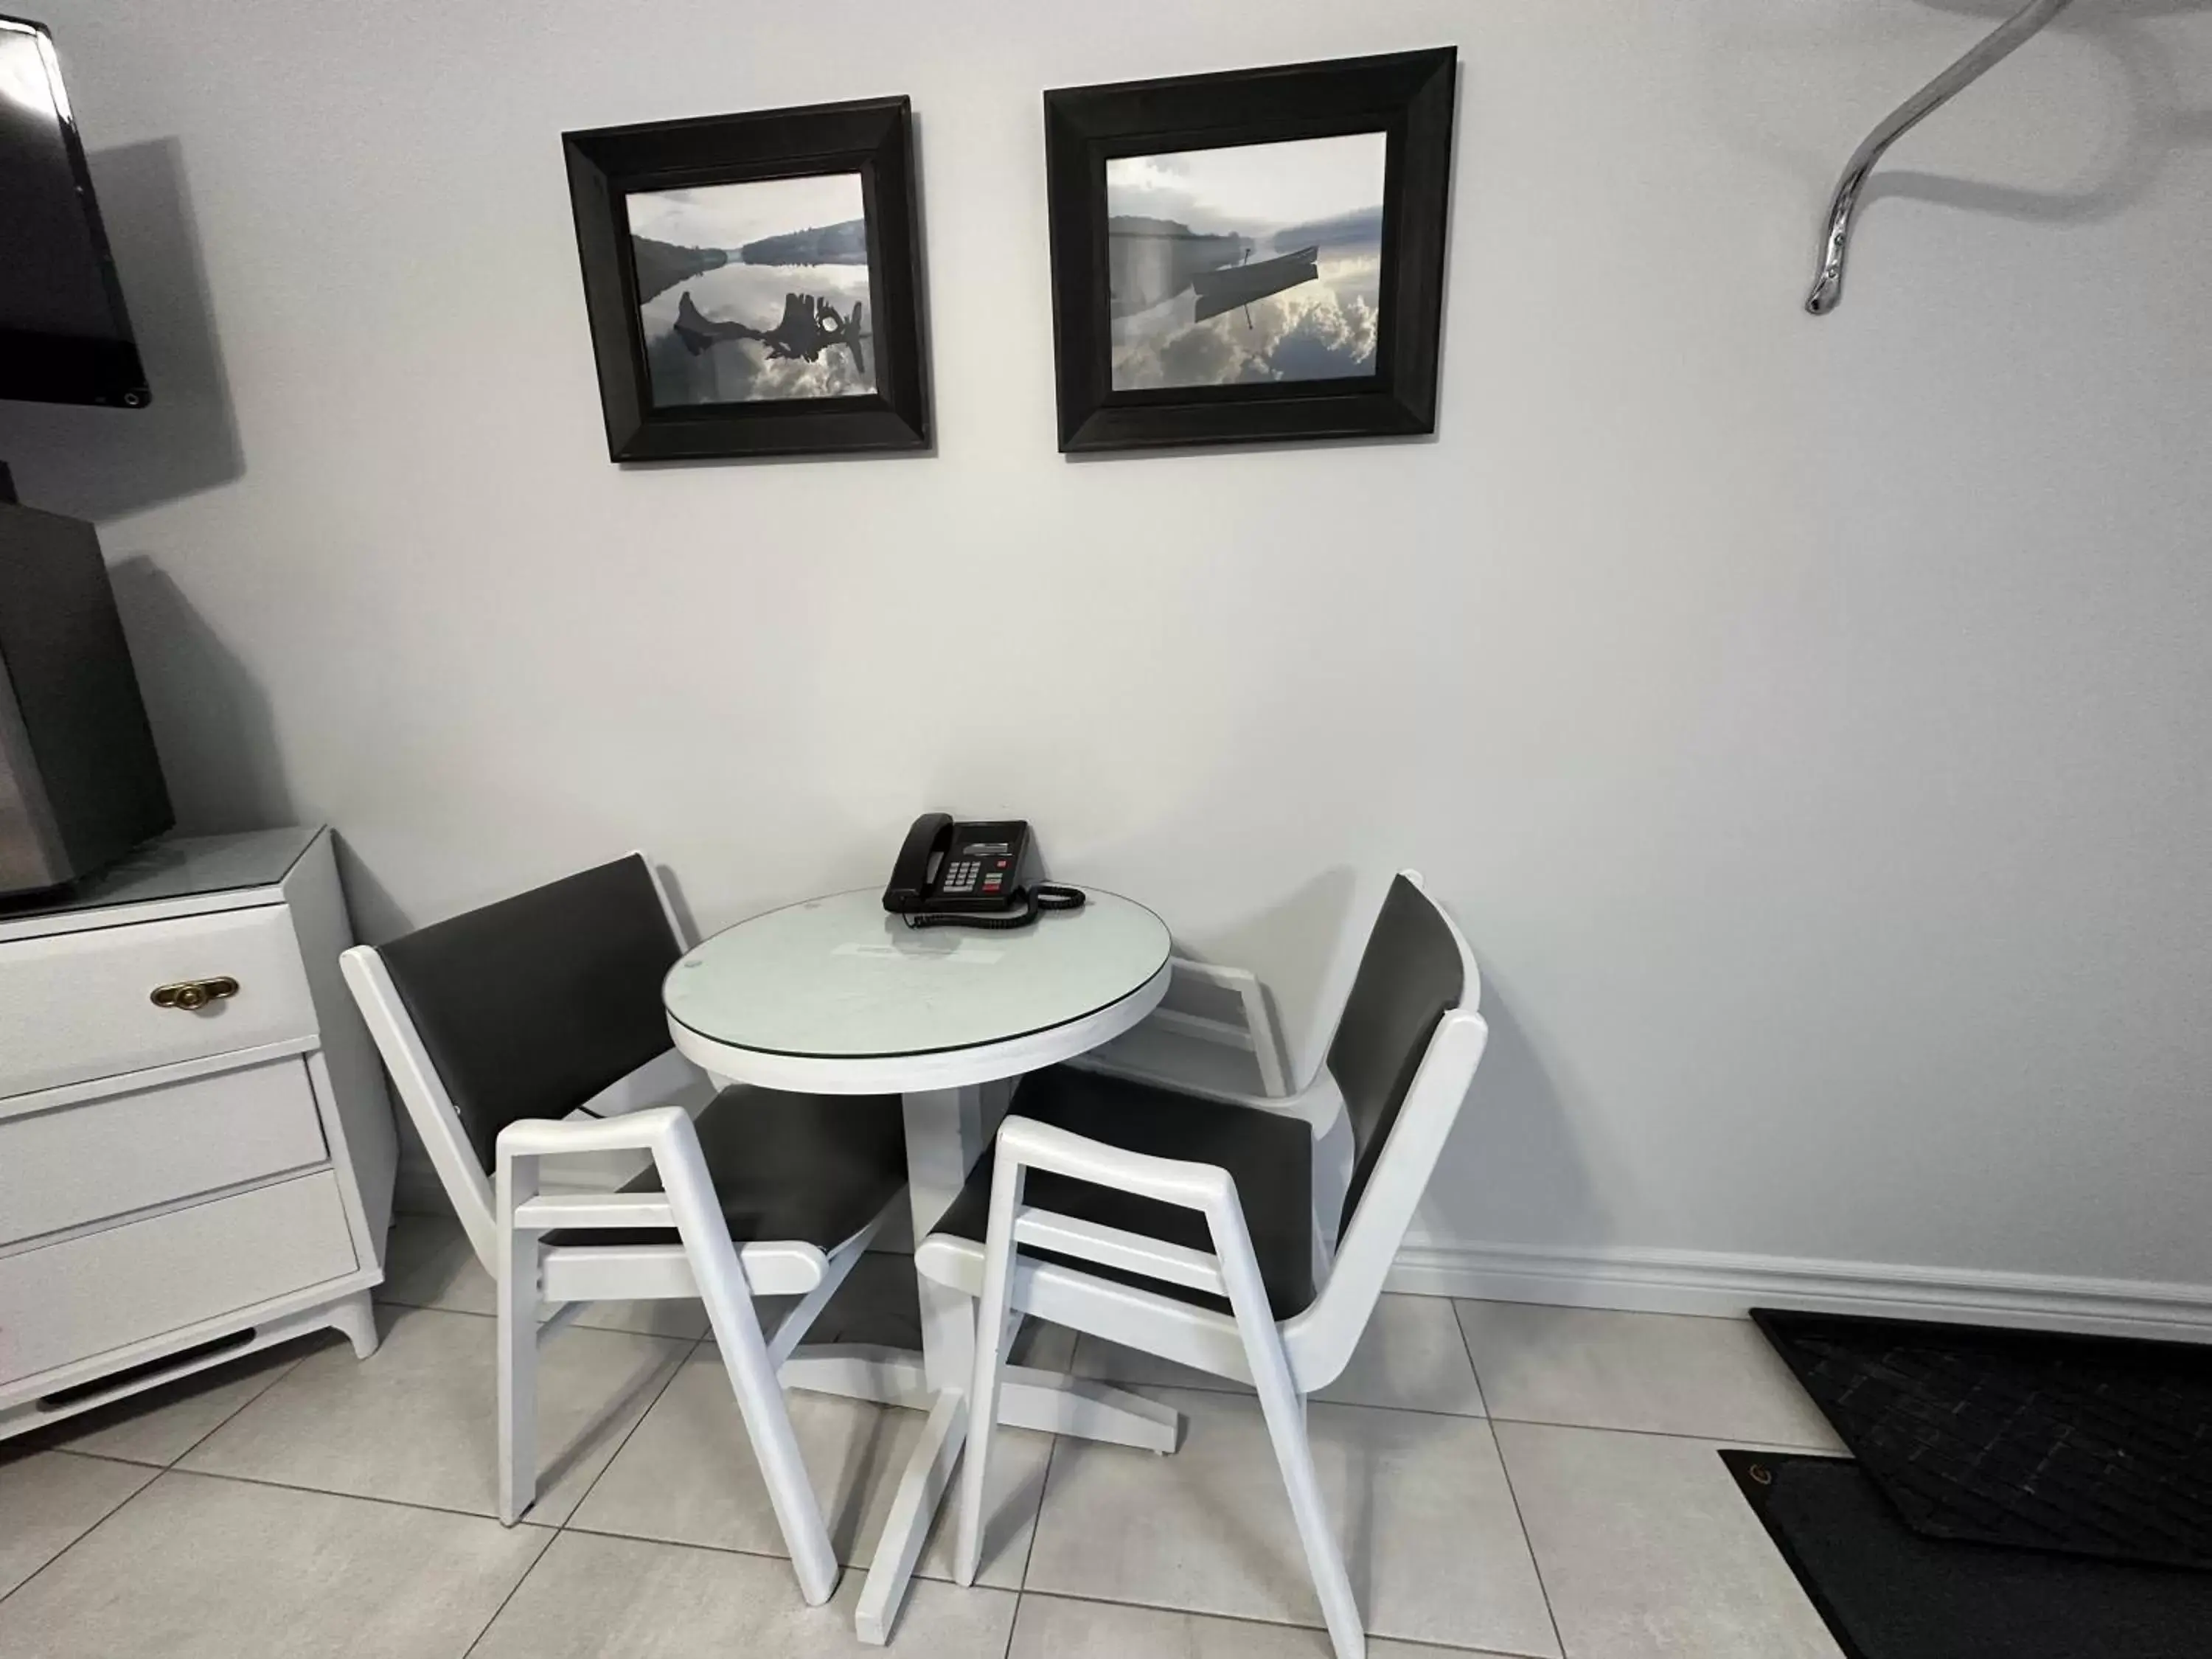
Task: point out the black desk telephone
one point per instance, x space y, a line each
971 875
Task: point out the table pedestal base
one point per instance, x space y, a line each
1029 1399
920 1489
860 1371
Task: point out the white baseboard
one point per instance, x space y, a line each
1699 1282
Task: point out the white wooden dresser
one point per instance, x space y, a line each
196 1145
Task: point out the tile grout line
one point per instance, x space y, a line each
693 1544
1044 1491
1148 1389
97 1457
283 1371
617 1330
661 1541
554 1533
1438 1642
674 1372
349 1497
513 1590
130 1497
1036 1523
277 1374
1745 1442
1520 1519
1754 1441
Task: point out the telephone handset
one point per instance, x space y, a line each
970 875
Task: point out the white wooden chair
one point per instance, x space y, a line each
498 1025
1183 1226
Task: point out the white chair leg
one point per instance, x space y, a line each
1285 1411
991 1336
1295 1453
517 1293
775 1445
729 1309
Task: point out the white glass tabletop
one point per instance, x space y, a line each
838 977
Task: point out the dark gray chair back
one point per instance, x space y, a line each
530 1006
1409 978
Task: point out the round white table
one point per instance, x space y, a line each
835 996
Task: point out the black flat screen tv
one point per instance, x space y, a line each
64 337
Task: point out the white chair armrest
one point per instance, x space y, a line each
594 1212
1231 1270
538 1136
665 1133
1115 1246
1029 1144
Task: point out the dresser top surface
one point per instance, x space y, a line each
176 867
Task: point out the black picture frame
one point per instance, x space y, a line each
1407 96
873 137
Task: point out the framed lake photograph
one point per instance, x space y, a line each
754 282
1250 257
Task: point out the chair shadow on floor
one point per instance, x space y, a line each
870 1461
613 1422
1359 1533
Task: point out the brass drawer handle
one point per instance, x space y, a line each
190 993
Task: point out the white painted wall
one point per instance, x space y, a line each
1806 719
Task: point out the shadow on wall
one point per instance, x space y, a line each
99 464
2140 119
1512 1168
211 720
1298 937
377 916
2154 122
686 917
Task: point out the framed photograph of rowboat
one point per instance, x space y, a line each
754 282
1250 257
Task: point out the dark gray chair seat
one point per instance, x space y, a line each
813 1167
1270 1157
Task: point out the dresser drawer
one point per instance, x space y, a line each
75 1006
129 1152
86 1296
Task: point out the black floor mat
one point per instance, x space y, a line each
2089 1445
1888 1593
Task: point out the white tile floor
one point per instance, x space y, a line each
1506 1481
